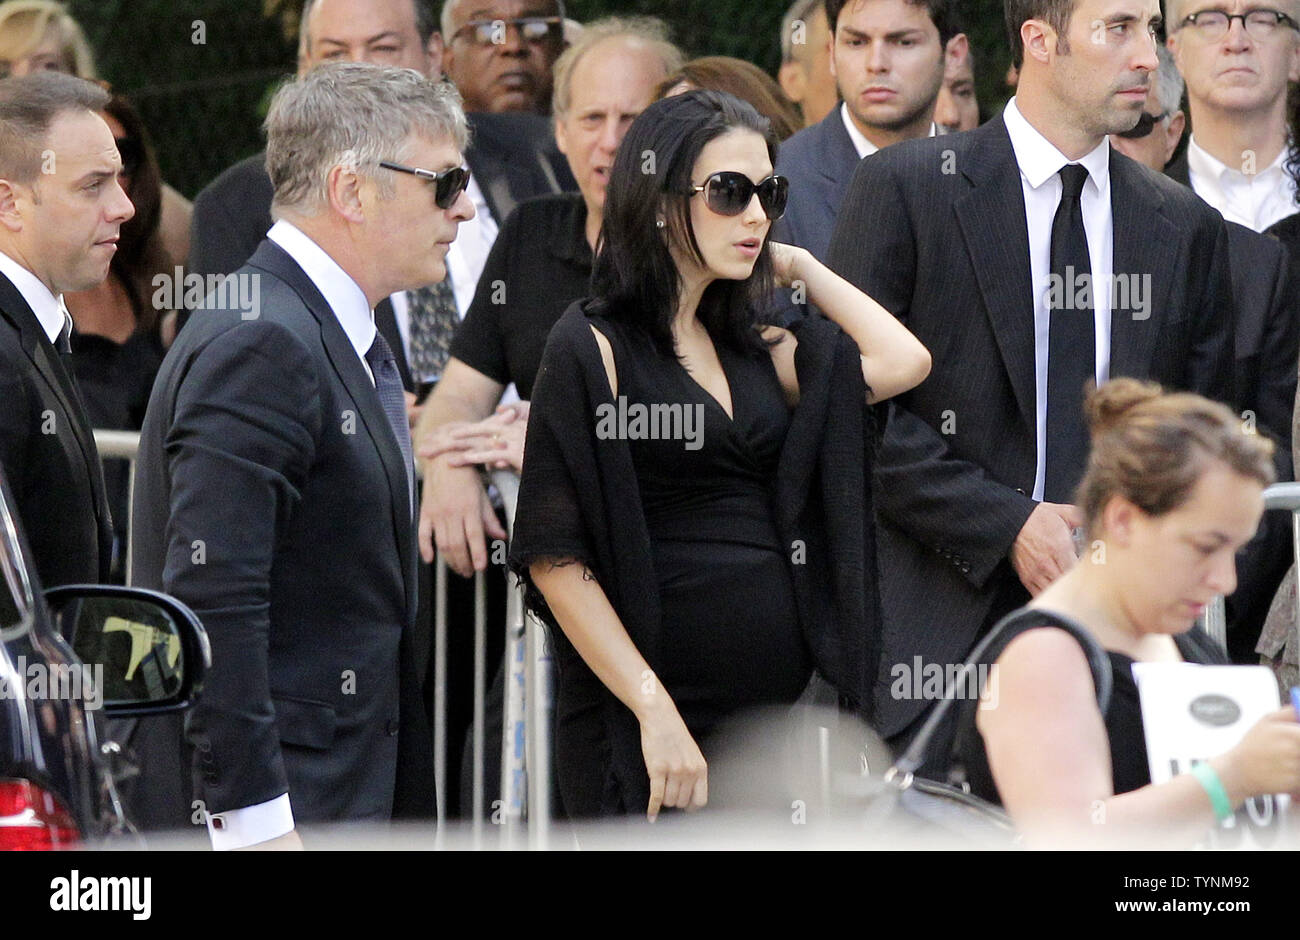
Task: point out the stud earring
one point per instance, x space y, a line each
659 223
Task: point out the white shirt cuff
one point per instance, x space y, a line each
238 828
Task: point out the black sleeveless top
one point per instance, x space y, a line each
1123 718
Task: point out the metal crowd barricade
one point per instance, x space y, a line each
1278 496
526 735
122 445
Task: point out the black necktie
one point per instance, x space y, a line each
389 386
1071 347
64 344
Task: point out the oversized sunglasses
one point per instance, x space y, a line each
447 184
1145 125
729 193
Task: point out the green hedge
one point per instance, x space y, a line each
203 100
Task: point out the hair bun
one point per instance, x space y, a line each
1106 407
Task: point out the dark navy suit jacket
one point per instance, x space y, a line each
819 162
272 498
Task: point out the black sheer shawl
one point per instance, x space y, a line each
579 501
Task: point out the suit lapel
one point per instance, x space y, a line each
493 177
992 221
1146 244
46 361
347 365
840 160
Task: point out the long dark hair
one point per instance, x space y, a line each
140 254
651 178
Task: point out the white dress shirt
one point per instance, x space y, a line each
343 294
1253 201
861 144
50 311
468 253
1040 166
237 828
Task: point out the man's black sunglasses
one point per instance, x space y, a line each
447 184
1145 125
729 192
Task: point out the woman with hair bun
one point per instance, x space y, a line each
1173 488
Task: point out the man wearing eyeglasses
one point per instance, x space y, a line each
276 488
500 53
1238 58
1266 340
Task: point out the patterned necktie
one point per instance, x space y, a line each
388 383
1071 344
434 318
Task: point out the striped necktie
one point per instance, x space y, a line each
388 383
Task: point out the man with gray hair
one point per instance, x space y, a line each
1266 341
1239 58
61 208
276 485
805 73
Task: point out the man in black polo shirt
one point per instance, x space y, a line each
540 264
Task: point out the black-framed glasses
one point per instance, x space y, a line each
729 192
1260 24
447 184
1145 125
532 29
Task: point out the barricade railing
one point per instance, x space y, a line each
1284 496
524 808
122 445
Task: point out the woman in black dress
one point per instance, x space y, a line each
1172 490
680 460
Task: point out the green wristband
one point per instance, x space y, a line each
1209 779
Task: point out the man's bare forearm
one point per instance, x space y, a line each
463 395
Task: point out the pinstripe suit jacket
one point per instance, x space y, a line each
935 230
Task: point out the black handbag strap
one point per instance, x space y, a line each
1003 632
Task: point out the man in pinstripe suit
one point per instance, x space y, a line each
962 238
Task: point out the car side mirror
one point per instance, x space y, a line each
148 651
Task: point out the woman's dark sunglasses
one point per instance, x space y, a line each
447 185
729 192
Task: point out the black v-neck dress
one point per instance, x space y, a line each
731 637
